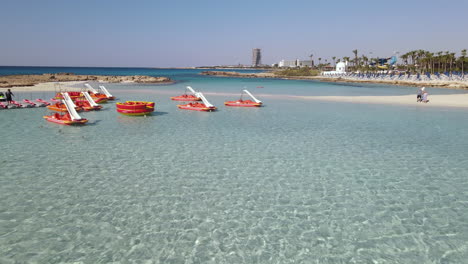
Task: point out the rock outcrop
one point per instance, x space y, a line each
31 80
240 75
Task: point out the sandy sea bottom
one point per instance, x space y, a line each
296 181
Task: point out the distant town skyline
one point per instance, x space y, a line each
203 33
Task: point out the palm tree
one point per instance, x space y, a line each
320 66
463 55
430 60
446 59
355 57
404 57
364 59
439 61
334 58
452 58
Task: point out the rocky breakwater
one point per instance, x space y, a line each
31 80
240 75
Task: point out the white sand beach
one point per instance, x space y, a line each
446 100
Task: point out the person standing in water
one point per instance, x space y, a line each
9 95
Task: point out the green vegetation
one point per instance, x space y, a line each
416 61
305 71
442 61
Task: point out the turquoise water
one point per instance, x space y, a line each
296 181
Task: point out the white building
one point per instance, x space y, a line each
340 69
295 63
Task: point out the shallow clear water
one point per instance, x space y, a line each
296 181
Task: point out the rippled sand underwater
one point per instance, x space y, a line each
295 181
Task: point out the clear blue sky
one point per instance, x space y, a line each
152 33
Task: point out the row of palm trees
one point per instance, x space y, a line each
442 61
414 61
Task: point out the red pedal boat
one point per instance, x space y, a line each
64 119
88 103
73 95
86 106
197 107
245 103
205 106
100 94
60 107
187 97
135 108
70 118
99 98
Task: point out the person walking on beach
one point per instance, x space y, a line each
9 95
419 94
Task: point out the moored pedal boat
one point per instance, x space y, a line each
73 95
245 103
197 107
205 106
60 107
242 103
85 105
64 119
70 118
187 97
88 104
101 96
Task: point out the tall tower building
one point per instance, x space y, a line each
256 57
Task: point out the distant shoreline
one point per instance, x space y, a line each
438 84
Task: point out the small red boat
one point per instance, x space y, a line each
245 103
86 106
242 103
98 94
106 92
99 98
187 97
60 107
135 108
197 107
205 106
87 103
73 95
70 118
64 119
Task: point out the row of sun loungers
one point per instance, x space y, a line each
427 77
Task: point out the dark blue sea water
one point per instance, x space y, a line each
11 70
